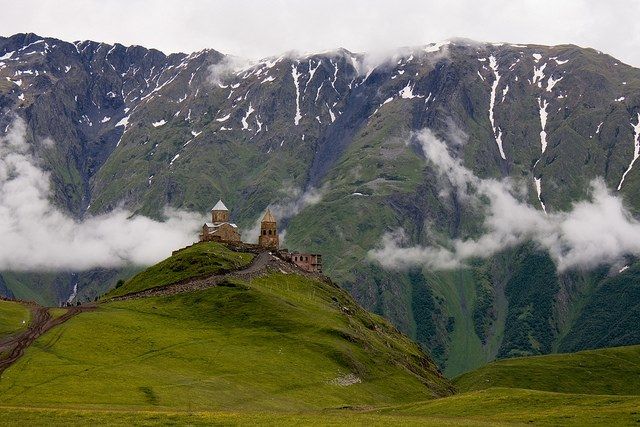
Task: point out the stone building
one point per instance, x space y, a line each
307 262
219 229
268 232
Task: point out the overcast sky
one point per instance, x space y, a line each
257 29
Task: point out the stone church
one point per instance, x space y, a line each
219 229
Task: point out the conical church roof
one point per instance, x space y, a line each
268 217
220 206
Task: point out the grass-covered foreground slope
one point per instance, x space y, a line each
492 407
199 260
13 317
505 406
281 342
609 371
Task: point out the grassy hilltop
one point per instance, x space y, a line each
200 260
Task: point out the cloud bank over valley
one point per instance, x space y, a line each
597 231
38 236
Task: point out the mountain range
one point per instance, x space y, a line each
335 143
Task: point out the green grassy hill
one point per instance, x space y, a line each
277 342
13 317
609 371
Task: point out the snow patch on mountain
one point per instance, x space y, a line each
245 125
504 93
312 72
538 75
497 132
538 184
123 121
295 74
543 104
333 116
435 47
636 150
407 92
552 82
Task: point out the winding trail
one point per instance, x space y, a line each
257 266
13 347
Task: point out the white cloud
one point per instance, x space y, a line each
36 235
222 70
257 29
594 232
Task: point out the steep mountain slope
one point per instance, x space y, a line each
616 301
149 130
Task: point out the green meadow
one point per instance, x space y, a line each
13 317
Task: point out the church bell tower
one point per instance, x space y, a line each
268 232
219 213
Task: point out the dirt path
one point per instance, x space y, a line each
12 348
257 266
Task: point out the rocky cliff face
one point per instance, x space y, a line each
328 137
